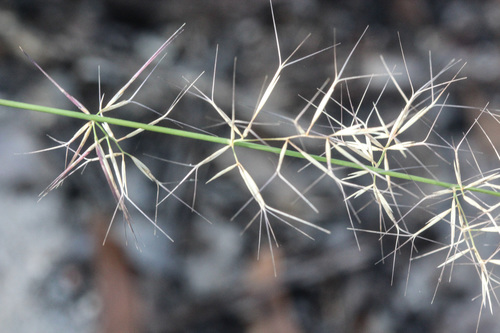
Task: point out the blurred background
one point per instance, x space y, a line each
55 274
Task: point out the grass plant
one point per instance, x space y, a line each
367 144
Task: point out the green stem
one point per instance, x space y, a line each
225 141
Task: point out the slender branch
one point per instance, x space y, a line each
240 143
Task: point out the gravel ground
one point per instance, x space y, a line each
55 274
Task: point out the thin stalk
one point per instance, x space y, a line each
225 141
